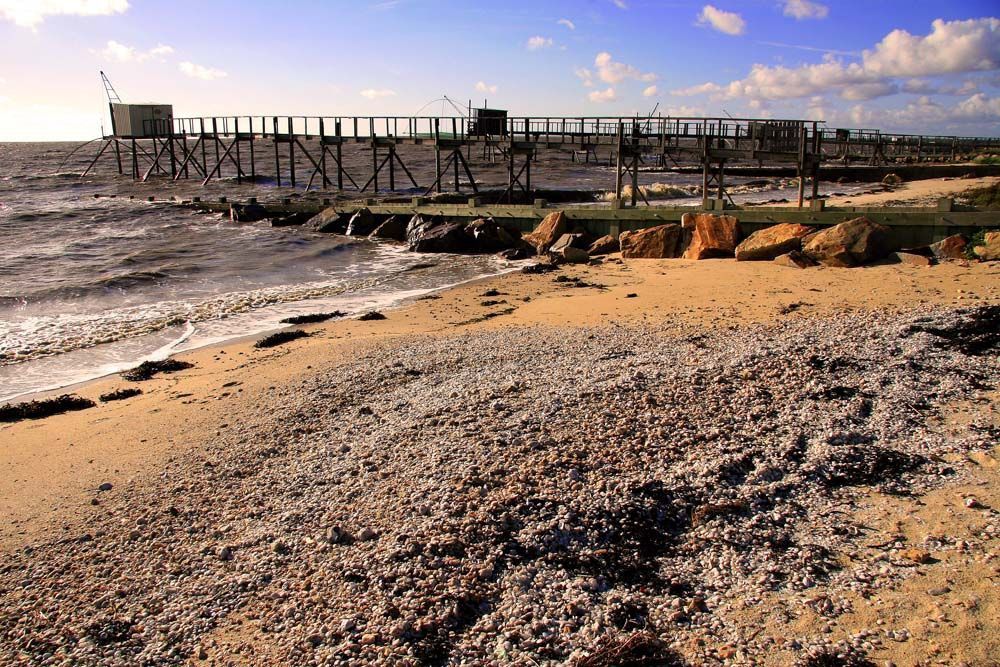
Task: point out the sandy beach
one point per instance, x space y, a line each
389 491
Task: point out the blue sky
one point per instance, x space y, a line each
916 65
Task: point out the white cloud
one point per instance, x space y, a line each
118 52
538 42
377 93
201 72
950 48
730 23
566 22
484 87
606 95
31 13
650 91
585 75
620 4
613 72
804 9
701 89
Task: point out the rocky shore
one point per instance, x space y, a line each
589 495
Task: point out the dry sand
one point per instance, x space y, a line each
912 193
52 467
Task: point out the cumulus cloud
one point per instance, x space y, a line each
201 72
606 95
730 23
950 48
118 52
377 93
538 42
566 22
484 87
804 9
650 91
31 13
701 89
613 72
620 4
585 75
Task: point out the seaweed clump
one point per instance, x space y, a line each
312 318
44 408
120 394
148 369
280 338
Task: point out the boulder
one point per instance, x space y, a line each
912 259
247 212
523 251
952 247
603 246
653 243
547 232
850 243
436 235
565 250
393 229
328 221
486 235
795 260
712 236
766 244
361 223
892 179
989 251
291 220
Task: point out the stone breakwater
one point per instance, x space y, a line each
519 496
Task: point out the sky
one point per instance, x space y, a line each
898 65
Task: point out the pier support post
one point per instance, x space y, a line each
618 168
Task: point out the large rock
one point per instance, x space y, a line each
247 212
603 246
361 223
436 235
653 243
794 260
989 251
712 236
487 235
952 247
565 250
328 221
393 229
850 243
547 232
770 242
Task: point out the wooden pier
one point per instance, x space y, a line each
277 147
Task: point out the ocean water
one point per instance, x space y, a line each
91 286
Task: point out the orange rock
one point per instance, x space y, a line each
547 232
952 247
850 243
990 250
912 259
712 236
653 243
770 242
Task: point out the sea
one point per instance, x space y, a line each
95 279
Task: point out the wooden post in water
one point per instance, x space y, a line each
618 169
291 153
277 156
322 153
392 167
340 157
437 153
239 163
